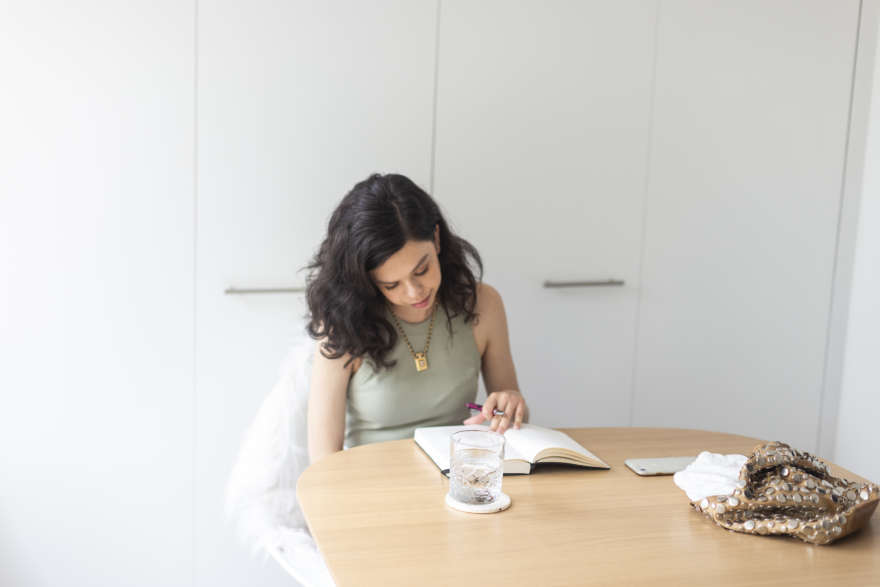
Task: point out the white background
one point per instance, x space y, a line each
720 158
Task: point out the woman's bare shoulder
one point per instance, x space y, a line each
344 363
490 313
488 300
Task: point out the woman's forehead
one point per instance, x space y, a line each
399 265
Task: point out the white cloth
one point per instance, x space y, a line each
296 552
710 474
261 492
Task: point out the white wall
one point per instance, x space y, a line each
856 440
96 293
100 439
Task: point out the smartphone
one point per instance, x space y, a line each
658 465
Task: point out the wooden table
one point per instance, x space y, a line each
378 517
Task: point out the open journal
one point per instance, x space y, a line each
523 448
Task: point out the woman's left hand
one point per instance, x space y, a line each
510 402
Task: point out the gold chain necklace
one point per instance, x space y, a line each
421 359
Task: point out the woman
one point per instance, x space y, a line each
404 326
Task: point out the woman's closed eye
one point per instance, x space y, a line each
417 273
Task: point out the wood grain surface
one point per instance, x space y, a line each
378 516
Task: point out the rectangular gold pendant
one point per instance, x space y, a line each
421 362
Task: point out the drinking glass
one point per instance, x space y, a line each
476 466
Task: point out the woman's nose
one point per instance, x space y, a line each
414 290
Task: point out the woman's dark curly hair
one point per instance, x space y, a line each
374 221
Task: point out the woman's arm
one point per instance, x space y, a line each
499 374
326 412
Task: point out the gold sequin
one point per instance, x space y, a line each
805 500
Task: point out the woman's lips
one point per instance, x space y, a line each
423 303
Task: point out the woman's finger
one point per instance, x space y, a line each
489 407
503 405
518 418
504 423
475 419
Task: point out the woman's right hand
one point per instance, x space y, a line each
510 402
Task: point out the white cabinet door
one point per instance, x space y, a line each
96 293
750 123
542 136
297 102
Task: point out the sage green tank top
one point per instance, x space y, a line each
389 404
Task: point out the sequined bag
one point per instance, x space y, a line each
785 491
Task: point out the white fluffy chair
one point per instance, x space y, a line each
261 493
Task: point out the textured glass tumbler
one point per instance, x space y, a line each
476 466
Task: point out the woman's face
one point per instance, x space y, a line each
409 279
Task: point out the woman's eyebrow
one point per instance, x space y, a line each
422 260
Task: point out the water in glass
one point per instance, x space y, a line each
475 475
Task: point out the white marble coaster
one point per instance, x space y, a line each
500 504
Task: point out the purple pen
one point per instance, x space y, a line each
479 408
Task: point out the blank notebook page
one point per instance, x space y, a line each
533 439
